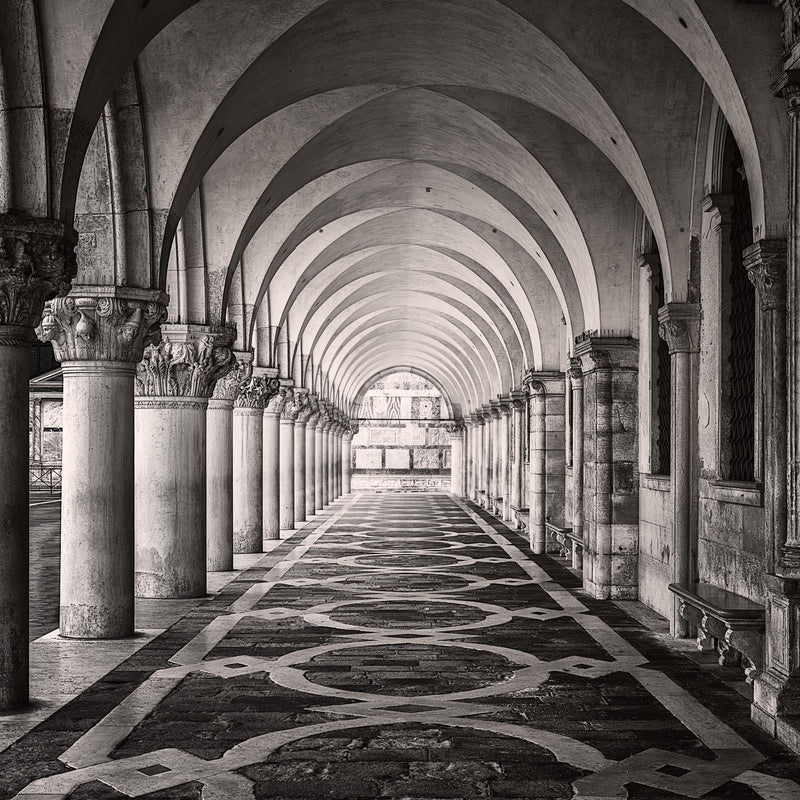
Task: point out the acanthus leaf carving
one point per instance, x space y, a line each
101 327
37 263
188 368
227 387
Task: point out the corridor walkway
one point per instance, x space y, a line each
403 646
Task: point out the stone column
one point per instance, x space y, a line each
99 334
679 326
497 455
611 475
219 467
469 447
272 461
311 456
319 461
480 444
506 456
287 465
300 424
517 447
248 464
576 382
546 390
347 458
324 429
37 262
776 689
456 431
487 456
332 460
174 381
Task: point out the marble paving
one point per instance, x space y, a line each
402 646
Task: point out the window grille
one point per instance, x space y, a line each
663 369
741 330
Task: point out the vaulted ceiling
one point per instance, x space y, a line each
458 187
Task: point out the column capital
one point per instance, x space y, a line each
187 362
575 370
517 399
277 401
313 410
505 405
455 428
719 203
37 263
227 387
255 391
496 409
544 382
679 327
606 350
103 323
765 262
304 407
649 264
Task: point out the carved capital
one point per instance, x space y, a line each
679 327
227 387
304 408
37 263
103 323
765 261
254 392
575 370
278 400
455 428
291 408
186 363
313 407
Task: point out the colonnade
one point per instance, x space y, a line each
177 452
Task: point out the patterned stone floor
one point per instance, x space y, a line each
402 646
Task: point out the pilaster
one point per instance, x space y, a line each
611 476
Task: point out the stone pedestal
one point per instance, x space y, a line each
287 465
611 475
546 390
272 462
174 381
679 326
99 335
456 431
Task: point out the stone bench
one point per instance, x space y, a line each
522 516
726 622
496 506
570 544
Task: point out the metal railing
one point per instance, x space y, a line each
45 478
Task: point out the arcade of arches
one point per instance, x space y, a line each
578 220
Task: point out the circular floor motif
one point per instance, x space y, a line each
410 614
406 560
412 582
417 543
407 669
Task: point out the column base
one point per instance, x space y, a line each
771 694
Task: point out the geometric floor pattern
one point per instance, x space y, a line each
403 646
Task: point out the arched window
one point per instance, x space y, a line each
738 344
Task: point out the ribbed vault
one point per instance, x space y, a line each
457 188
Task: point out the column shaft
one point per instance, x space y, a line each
347 457
319 467
537 532
248 476
219 485
299 472
325 467
170 508
286 495
272 475
15 357
577 447
311 469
